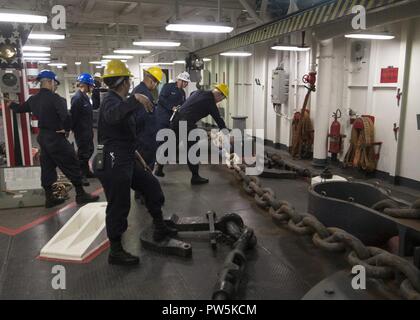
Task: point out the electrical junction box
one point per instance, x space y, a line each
10 81
280 86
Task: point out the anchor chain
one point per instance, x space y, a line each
393 209
379 263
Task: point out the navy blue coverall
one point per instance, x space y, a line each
82 126
147 128
117 131
198 106
56 150
96 95
170 96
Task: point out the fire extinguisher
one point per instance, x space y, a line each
335 136
34 124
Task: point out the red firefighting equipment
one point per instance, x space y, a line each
302 128
335 136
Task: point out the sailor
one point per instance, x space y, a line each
146 121
171 97
198 106
56 151
82 123
122 168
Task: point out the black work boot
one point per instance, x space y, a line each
51 200
82 197
118 256
159 171
89 174
162 230
196 179
85 182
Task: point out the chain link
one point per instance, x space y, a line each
379 263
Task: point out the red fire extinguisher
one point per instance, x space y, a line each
335 136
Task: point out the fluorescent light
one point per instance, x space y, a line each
206 59
157 63
370 36
57 64
36 59
95 62
198 28
157 43
36 54
99 67
36 48
46 36
77 63
119 57
44 62
22 18
179 62
290 48
131 51
236 54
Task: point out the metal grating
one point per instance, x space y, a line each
324 13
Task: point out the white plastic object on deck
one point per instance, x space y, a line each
82 235
318 179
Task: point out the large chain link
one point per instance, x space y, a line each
379 263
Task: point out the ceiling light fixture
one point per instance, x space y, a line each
370 36
77 63
57 64
46 36
36 59
22 18
157 43
36 54
118 57
289 48
36 48
131 51
236 54
179 62
203 28
206 59
157 64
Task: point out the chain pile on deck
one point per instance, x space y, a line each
379 264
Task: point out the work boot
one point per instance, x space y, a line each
159 171
51 200
89 174
82 197
118 256
85 182
196 179
162 230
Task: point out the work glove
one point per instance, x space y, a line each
148 105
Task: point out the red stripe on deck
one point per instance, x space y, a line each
14 232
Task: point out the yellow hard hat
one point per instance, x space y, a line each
223 88
116 68
156 72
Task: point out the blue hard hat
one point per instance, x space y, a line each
47 74
86 78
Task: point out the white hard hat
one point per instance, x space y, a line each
97 75
184 76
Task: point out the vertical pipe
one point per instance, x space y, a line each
323 107
219 11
